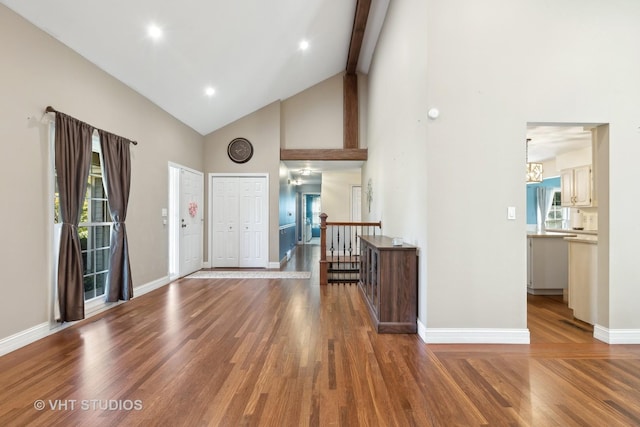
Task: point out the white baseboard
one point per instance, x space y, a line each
274 265
545 291
22 338
616 336
472 335
206 264
151 286
422 331
98 306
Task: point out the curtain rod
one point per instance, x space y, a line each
50 109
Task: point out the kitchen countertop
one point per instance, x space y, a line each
589 232
550 234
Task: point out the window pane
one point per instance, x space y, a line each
100 211
98 189
102 260
101 280
56 202
89 287
83 233
555 216
84 215
89 264
102 236
95 164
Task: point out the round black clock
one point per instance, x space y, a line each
240 150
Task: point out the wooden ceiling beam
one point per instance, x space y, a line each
350 112
324 154
357 34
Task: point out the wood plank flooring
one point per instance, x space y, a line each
288 353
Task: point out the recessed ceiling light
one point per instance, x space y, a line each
154 31
210 91
304 45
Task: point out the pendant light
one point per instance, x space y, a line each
534 170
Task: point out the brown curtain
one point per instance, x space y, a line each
73 158
117 181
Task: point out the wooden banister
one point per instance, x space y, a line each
323 248
364 224
342 255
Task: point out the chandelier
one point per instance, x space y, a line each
534 170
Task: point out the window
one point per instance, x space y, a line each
315 211
558 216
94 228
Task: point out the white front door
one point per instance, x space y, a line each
191 221
239 236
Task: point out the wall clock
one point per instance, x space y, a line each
240 150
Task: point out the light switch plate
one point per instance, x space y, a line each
511 212
164 212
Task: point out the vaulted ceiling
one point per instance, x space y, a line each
247 52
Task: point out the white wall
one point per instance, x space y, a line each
309 119
313 118
491 67
38 71
336 193
550 169
396 132
573 159
262 129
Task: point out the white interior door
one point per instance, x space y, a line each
253 222
225 205
240 221
356 203
191 221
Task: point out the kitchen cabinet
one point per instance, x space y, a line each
583 278
576 186
389 284
547 264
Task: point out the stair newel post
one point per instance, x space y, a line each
323 249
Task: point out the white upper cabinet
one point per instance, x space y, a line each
575 186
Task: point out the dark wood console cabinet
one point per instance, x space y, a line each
389 284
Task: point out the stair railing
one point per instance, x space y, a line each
340 249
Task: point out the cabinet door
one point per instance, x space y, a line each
583 281
375 282
582 186
566 187
529 263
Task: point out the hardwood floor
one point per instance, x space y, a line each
289 353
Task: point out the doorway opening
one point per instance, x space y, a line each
571 198
311 209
